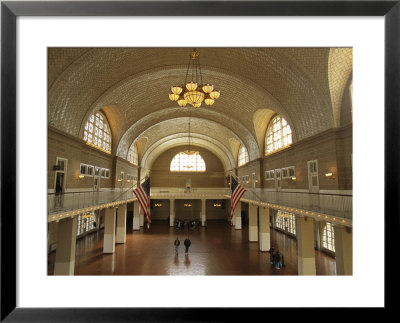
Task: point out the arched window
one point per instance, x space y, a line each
133 155
184 162
243 156
97 132
328 237
278 136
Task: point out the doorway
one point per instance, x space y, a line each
59 184
313 183
278 179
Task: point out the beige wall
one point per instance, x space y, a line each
250 168
161 176
332 149
77 152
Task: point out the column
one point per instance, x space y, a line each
66 243
136 218
253 226
171 212
121 224
52 236
237 216
228 208
141 216
109 230
344 250
305 246
203 212
265 237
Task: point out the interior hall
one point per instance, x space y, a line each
246 152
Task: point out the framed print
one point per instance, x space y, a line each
41 44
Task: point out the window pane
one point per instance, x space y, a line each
188 163
97 132
279 135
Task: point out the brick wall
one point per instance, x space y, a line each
332 149
161 176
75 151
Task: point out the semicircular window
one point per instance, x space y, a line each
97 132
188 162
278 135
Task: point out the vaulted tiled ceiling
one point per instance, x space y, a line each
131 86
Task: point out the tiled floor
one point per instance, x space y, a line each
218 249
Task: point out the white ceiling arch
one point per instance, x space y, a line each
150 128
171 141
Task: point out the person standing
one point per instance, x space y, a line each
277 260
187 244
176 244
271 255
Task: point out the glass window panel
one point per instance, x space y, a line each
94 135
328 237
279 135
187 163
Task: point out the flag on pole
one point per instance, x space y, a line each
142 193
237 193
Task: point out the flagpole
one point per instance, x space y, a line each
248 189
129 188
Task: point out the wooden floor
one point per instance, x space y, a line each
218 249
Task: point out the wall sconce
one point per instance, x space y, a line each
217 204
81 176
293 178
187 205
157 204
330 175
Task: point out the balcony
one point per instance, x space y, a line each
317 205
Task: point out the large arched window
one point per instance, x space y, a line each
97 132
243 156
133 155
278 136
328 237
184 162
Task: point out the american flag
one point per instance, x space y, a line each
142 193
237 193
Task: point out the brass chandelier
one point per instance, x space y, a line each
195 91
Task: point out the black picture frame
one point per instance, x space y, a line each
10 10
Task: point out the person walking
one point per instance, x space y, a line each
187 244
176 244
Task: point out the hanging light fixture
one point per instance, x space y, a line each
194 91
190 151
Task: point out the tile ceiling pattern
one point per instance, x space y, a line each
131 85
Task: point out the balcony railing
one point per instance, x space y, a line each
333 204
78 200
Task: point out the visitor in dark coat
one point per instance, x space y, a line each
187 244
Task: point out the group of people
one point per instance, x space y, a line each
276 258
187 244
179 224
